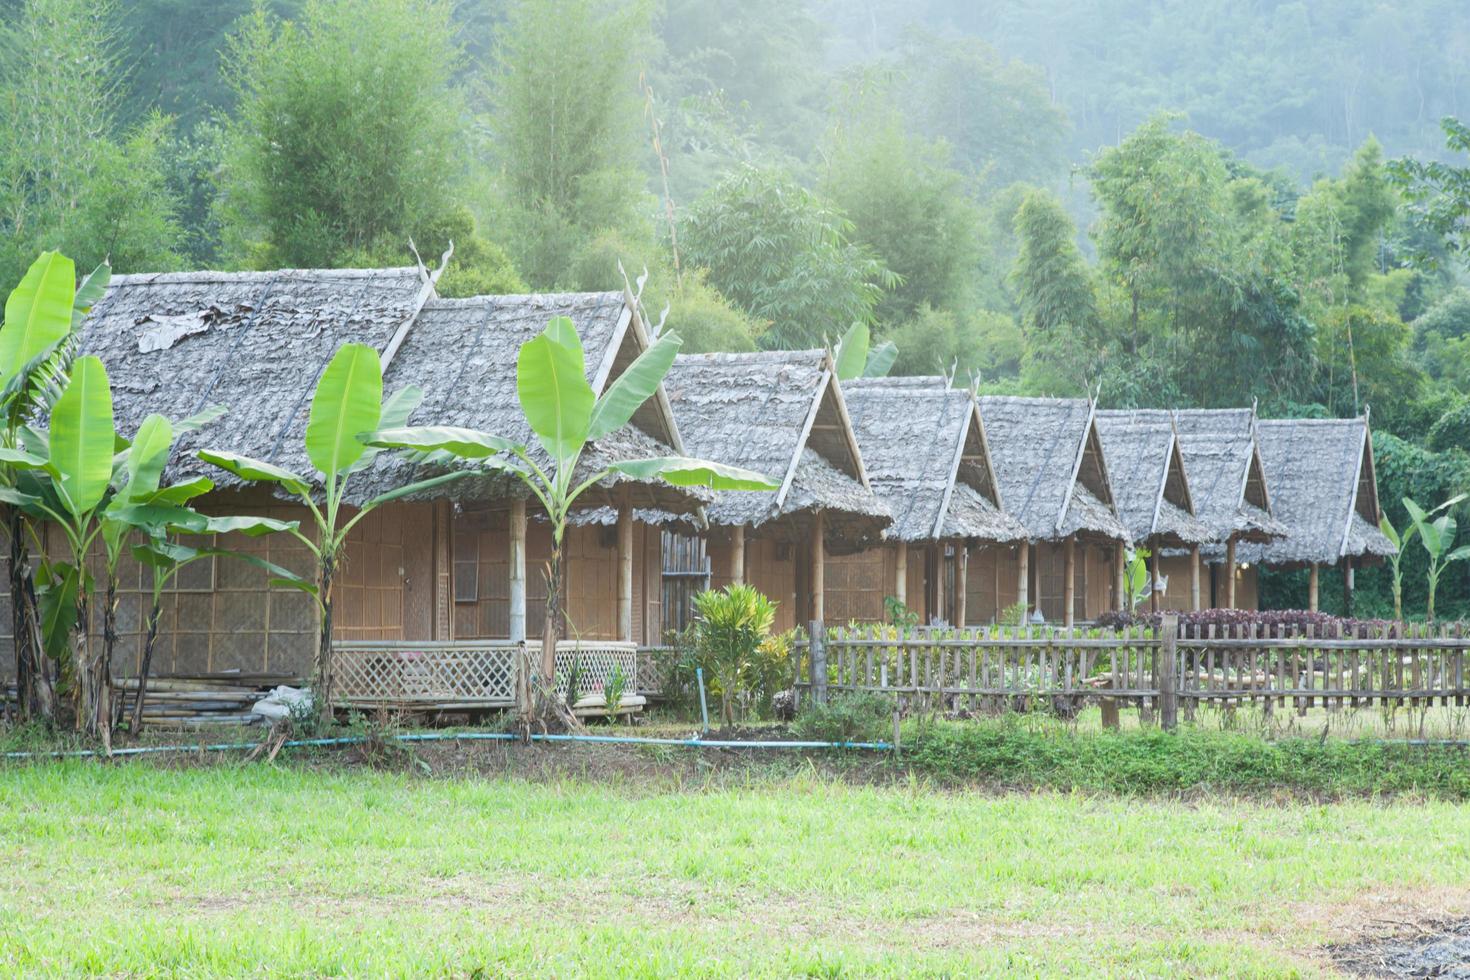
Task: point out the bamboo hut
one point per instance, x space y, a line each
1053 478
448 569
780 413
1325 491
1227 479
1154 501
925 450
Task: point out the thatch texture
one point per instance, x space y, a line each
257 342
1148 478
913 433
253 342
1049 466
1320 473
779 413
1226 479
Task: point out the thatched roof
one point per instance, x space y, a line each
1323 489
780 413
257 342
924 448
1227 481
1148 478
1050 466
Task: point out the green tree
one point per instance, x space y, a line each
1053 288
1439 192
707 321
906 204
566 125
348 135
69 178
784 255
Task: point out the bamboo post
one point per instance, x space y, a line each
625 571
1230 574
1069 581
1153 581
1312 588
1168 672
518 570
1023 580
901 573
962 582
817 633
1194 578
1349 585
737 555
819 552
1120 573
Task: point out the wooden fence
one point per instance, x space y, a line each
1161 669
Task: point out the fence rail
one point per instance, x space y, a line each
1162 669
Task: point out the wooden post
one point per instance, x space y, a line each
1069 581
962 582
518 570
818 576
1349 584
1194 578
817 662
737 555
1023 581
1120 575
625 571
1153 581
1312 588
901 573
1168 667
936 562
1230 574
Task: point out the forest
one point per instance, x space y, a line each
1163 204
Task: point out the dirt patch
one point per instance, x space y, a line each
1439 949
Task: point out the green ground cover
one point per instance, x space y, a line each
775 869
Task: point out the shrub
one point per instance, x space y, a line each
732 626
853 716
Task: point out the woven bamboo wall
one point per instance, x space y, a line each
1102 579
770 567
1176 570
857 584
992 582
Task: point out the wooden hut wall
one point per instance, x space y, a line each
384 587
770 566
1100 583
990 584
1212 587
1177 597
1050 564
857 584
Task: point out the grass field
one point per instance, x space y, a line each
290 870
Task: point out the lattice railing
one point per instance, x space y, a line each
473 673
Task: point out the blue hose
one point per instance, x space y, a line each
460 737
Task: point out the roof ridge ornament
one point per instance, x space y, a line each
430 280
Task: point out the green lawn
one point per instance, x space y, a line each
137 870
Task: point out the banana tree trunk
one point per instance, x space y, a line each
109 644
34 694
552 626
146 667
93 679
325 673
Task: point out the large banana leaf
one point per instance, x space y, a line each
158 516
880 360
82 437
38 312
251 527
147 457
463 443
852 352
418 487
348 400
181 493
683 472
92 289
396 410
57 584
551 384
253 469
633 387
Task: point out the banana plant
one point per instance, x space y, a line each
1136 577
856 358
566 416
1437 534
36 348
165 555
1400 541
347 404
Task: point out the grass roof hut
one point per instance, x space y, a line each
1227 479
442 569
780 413
1053 478
1325 491
927 458
1153 494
